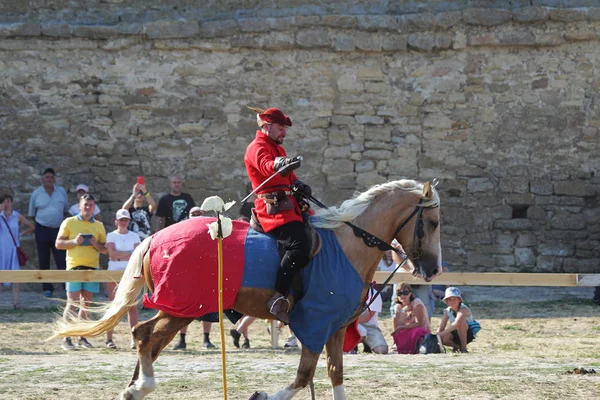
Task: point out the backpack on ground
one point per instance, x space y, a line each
431 344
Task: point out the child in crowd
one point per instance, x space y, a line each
458 327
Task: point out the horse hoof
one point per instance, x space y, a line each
259 396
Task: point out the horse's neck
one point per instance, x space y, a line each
375 220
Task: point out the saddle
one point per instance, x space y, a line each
315 239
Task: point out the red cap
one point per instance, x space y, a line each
275 115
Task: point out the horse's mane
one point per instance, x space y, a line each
333 217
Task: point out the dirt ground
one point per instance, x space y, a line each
531 341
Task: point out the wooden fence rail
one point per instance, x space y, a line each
448 278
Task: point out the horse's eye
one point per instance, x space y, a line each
434 224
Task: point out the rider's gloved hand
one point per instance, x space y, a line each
302 188
288 164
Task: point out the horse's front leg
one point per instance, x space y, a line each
335 363
306 371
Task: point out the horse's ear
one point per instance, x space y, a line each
427 192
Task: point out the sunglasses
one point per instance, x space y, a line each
406 293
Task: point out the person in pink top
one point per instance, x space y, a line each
411 321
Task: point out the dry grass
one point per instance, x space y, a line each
524 351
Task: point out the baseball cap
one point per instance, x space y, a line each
194 210
83 187
122 213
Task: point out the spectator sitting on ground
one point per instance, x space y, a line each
80 190
423 292
120 243
411 322
141 215
9 241
462 328
368 326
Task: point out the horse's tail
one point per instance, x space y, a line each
126 297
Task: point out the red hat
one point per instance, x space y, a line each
275 115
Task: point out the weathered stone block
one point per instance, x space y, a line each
369 120
220 28
394 42
479 185
573 187
565 220
578 265
55 30
526 239
344 42
530 14
364 166
525 257
378 154
513 224
313 38
439 121
483 16
422 41
567 15
377 22
513 185
337 152
551 264
337 166
368 179
556 249
171 29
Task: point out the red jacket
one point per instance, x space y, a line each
259 159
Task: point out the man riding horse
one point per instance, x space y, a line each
276 208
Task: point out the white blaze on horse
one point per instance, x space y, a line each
166 263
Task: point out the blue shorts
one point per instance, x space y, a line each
92 287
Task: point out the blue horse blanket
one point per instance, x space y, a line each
332 287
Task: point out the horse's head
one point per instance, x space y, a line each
419 234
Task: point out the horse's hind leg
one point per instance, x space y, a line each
152 336
335 366
305 373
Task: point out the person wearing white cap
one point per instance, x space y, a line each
463 327
120 244
80 190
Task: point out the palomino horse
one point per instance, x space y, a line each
405 210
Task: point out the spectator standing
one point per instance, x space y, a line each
175 206
141 214
47 206
196 211
80 190
120 244
83 238
9 241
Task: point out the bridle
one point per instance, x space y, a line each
373 241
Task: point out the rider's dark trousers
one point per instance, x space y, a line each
297 244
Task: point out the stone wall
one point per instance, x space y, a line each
497 99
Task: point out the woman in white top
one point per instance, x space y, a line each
120 244
411 321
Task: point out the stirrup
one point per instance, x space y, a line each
278 309
275 302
